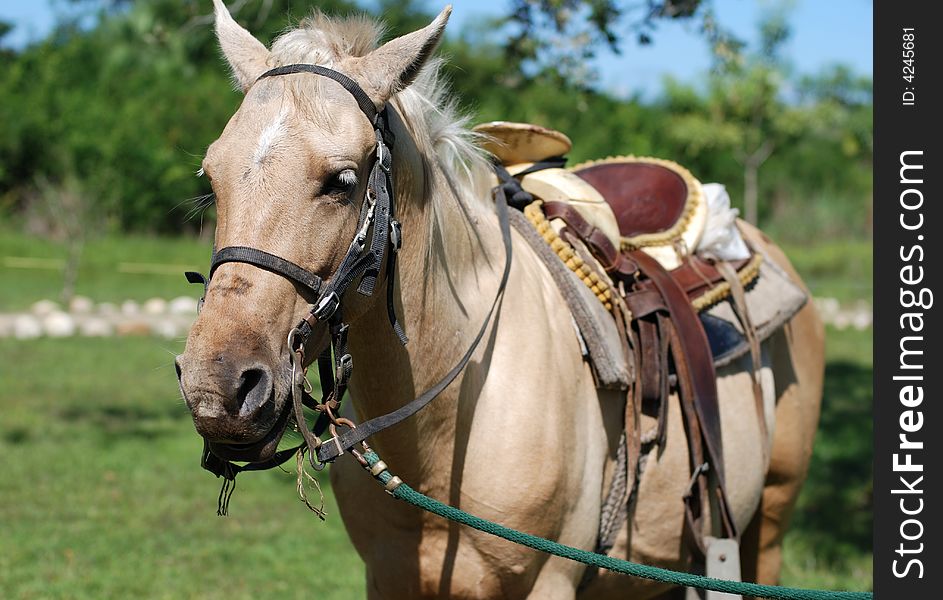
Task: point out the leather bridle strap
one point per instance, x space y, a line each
364 101
259 258
362 259
332 448
377 211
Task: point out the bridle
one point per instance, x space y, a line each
363 260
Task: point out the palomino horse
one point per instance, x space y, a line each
522 436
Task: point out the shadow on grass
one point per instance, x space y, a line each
835 509
127 420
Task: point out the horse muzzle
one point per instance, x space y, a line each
234 405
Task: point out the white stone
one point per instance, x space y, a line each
155 306
165 328
133 327
96 327
862 319
26 327
130 307
841 321
183 323
828 307
80 305
43 308
183 305
59 324
107 308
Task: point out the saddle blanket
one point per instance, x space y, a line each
772 299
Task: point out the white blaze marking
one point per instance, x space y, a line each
269 137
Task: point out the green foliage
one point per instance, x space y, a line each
811 136
128 106
743 112
560 36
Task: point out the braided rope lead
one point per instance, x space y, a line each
401 491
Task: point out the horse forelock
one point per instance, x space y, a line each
323 40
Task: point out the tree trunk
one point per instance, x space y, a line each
71 272
750 191
751 181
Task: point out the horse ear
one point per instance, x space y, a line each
246 55
394 65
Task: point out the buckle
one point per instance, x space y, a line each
384 158
344 365
396 235
326 306
358 244
360 239
195 277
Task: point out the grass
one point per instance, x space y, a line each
839 269
106 270
829 542
102 495
836 268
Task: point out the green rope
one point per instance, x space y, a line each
407 494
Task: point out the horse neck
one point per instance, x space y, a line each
448 268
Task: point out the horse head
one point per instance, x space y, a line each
290 174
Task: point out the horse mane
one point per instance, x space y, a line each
430 113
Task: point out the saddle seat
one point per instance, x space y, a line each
644 203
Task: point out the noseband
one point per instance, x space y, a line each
362 261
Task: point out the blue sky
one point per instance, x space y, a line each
824 32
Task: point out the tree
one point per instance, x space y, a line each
743 112
562 36
125 104
69 220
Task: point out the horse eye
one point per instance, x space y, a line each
342 183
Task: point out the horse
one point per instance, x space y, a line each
522 436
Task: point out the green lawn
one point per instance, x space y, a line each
838 268
112 269
102 495
829 543
841 269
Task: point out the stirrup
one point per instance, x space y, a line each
723 562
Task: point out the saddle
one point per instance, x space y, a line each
628 227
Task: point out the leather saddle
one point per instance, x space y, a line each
641 220
645 203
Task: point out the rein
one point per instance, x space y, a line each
363 260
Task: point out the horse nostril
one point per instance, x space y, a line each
255 387
177 367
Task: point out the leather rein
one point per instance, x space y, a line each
363 260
